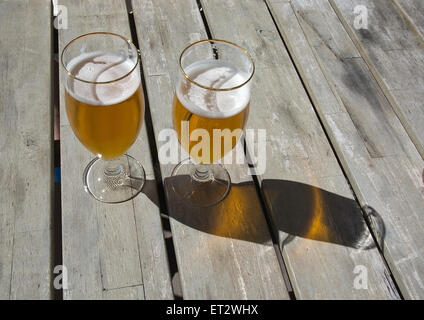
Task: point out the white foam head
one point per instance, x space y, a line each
209 103
101 67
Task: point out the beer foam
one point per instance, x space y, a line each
101 66
214 104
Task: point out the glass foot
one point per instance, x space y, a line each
200 185
114 181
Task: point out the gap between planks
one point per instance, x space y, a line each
166 227
56 192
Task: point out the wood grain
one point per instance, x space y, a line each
223 252
395 56
318 221
26 172
382 164
108 248
127 293
413 13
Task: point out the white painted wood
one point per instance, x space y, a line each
107 247
382 164
223 252
26 173
395 56
322 233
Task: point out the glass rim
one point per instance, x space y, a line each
186 76
70 74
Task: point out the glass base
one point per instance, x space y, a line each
114 181
200 185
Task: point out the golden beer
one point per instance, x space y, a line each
227 141
106 118
221 114
107 130
105 108
209 113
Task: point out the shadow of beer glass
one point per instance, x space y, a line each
296 209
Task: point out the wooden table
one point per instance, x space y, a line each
338 213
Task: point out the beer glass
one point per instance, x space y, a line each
210 111
105 108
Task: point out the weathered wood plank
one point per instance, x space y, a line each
381 162
395 56
128 293
6 247
225 251
413 12
107 247
319 224
26 173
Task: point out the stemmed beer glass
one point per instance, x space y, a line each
210 111
105 107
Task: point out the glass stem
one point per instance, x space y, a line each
202 173
112 168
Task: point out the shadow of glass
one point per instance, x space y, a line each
151 191
238 216
297 209
377 225
309 212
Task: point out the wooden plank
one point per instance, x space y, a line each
322 234
128 293
223 252
107 247
26 173
413 12
385 176
395 56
